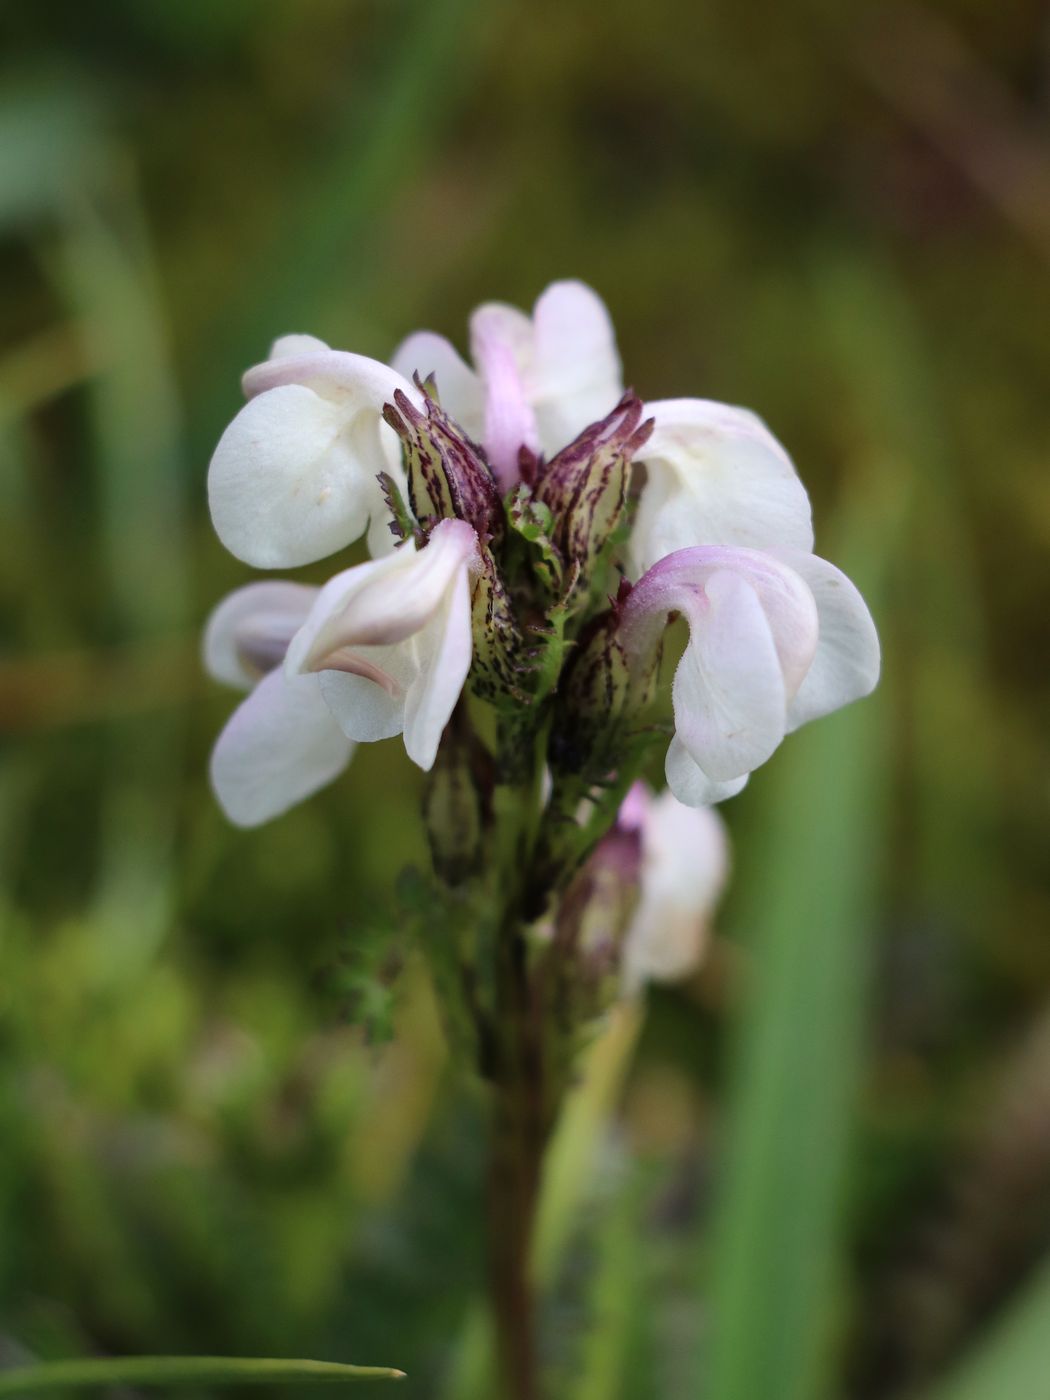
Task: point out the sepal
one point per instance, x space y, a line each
585 486
447 476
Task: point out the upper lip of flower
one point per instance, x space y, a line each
381 603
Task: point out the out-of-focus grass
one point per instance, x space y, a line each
199 1153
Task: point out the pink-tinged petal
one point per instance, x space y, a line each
674 582
510 423
634 809
716 475
280 746
576 377
496 321
251 626
690 784
847 660
459 389
684 867
383 602
444 651
288 482
728 692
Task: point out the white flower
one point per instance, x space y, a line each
775 639
715 475
537 382
682 872
294 475
392 641
281 744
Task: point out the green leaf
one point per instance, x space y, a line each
184 1370
810 879
1013 1360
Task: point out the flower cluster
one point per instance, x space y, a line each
534 529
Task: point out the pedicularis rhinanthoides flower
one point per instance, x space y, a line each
535 531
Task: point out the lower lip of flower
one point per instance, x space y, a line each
354 664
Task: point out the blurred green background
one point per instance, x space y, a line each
827 1170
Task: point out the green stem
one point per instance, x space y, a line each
522 1111
184 1370
521 1123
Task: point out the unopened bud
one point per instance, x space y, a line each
600 696
494 674
585 486
594 917
457 803
447 478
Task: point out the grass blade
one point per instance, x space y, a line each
811 874
184 1370
1013 1361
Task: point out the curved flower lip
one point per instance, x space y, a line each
392 641
774 640
380 603
679 581
331 372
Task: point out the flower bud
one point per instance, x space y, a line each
495 675
457 803
602 691
447 478
593 920
585 485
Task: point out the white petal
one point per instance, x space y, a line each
358 382
846 664
385 601
720 477
685 863
289 482
728 691
444 653
576 375
459 389
690 784
292 346
274 605
280 745
364 710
